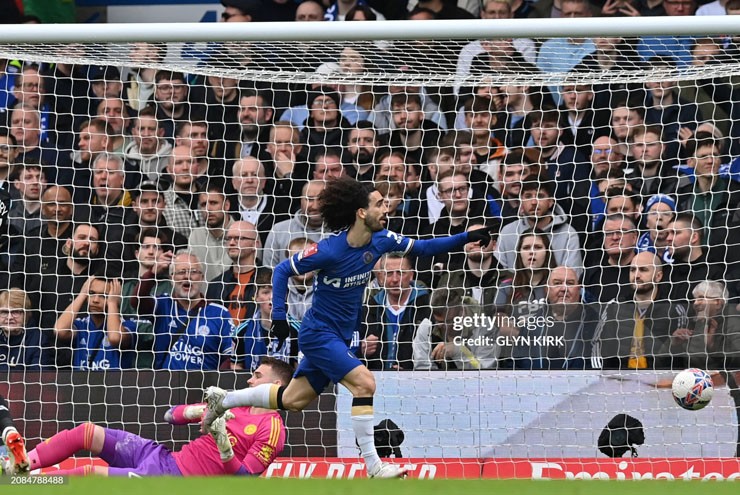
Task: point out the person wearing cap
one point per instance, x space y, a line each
105 81
241 10
658 213
325 125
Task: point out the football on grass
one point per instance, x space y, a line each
693 389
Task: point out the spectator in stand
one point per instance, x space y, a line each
711 198
412 131
193 136
288 168
208 241
581 121
20 338
445 9
550 157
306 222
114 113
635 333
153 253
327 164
300 287
523 297
392 315
538 210
572 320
494 9
43 249
338 9
513 169
659 211
138 87
147 211
459 208
626 117
234 287
607 162
148 150
325 125
255 118
61 280
437 343
241 10
677 47
479 273
562 54
690 258
361 148
397 219
650 168
181 199
712 341
381 115
309 11
29 181
8 153
105 81
108 208
222 108
101 339
607 278
25 122
30 91
252 203
171 102
488 150
252 339
190 332
664 106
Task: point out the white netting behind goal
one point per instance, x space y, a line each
606 166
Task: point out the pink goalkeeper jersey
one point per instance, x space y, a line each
256 439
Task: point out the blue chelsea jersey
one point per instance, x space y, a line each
343 272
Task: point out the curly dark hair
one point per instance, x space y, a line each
340 200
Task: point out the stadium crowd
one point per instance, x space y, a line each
147 208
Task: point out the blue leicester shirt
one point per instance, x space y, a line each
92 350
343 272
202 345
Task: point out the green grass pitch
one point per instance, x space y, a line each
259 486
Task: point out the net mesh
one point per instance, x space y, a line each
618 153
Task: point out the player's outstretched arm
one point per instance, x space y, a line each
189 413
431 247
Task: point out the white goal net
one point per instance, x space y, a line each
152 188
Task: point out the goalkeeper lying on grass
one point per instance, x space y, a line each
245 443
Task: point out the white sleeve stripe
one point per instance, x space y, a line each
292 266
409 247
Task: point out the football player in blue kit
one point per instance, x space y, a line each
343 262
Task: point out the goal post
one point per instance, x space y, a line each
602 151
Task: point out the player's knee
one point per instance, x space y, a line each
365 387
